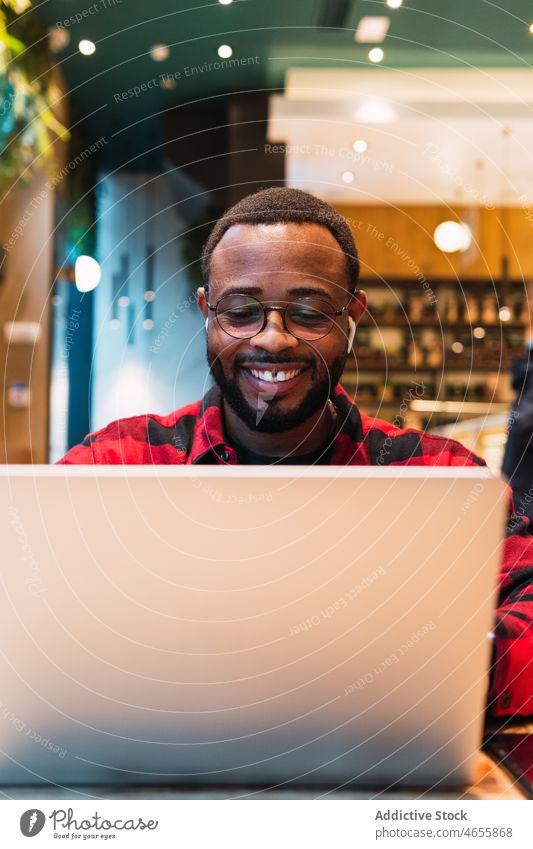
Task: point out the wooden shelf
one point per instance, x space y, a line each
375 403
403 322
387 368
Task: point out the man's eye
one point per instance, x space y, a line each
303 316
240 316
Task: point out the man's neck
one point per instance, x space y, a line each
304 439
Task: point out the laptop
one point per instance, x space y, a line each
198 625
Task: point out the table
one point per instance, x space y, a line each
490 782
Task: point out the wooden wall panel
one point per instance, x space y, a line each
399 242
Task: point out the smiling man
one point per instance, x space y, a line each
281 304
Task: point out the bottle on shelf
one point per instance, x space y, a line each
489 309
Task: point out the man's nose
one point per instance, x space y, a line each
274 337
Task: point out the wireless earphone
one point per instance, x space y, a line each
351 334
206 323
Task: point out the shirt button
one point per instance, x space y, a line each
224 456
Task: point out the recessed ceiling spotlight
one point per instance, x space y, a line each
394 4
372 29
58 39
347 176
505 314
114 324
123 301
225 51
360 146
225 2
479 332
376 54
149 295
86 47
457 347
148 324
167 83
160 52
531 29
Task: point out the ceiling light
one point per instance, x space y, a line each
225 2
376 54
360 146
58 39
479 332
159 52
374 110
394 4
149 295
505 314
114 324
225 51
347 176
123 301
86 47
457 347
452 236
167 83
372 29
148 324
531 29
87 273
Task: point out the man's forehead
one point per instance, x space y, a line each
308 247
288 240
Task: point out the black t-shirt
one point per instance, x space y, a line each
319 457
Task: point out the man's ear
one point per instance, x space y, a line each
357 305
202 301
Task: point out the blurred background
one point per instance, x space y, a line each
127 128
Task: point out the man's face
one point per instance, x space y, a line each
278 263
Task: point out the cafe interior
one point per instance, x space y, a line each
126 131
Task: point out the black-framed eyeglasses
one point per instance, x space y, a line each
243 316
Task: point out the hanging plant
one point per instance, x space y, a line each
28 126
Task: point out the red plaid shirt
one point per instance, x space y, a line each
195 434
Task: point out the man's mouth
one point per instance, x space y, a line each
275 377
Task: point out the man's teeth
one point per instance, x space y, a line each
275 376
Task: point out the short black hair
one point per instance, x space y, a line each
284 206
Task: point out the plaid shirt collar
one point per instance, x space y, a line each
209 444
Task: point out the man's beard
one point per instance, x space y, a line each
266 416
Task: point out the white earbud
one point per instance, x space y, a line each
206 323
351 334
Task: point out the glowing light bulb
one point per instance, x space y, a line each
376 54
86 47
452 236
87 273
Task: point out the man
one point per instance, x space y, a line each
281 304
